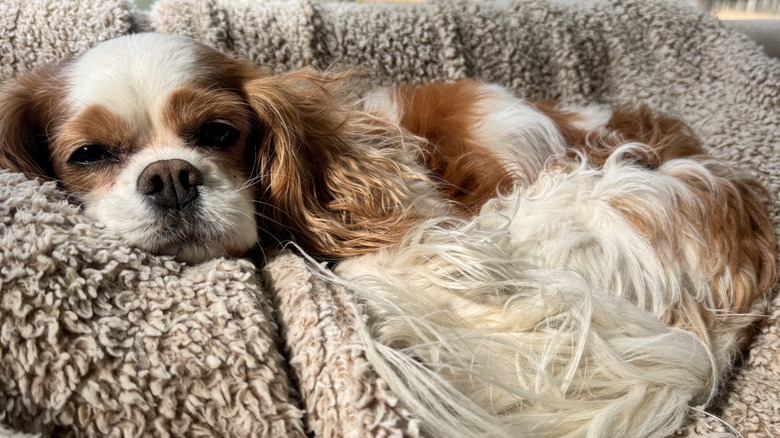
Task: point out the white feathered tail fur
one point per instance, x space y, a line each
542 316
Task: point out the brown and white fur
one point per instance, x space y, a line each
525 269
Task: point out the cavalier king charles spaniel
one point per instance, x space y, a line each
524 268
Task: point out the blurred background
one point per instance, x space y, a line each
742 9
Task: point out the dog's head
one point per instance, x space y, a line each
184 151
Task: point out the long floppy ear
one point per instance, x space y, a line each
27 107
334 179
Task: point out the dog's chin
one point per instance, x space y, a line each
194 240
193 252
196 248
199 233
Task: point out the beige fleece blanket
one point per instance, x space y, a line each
98 339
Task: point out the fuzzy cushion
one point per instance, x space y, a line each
100 339
103 340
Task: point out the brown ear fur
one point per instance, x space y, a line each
28 107
327 179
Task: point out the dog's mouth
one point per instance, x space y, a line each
193 252
191 235
194 248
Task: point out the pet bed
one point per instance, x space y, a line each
99 339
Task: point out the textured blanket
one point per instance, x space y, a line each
99 339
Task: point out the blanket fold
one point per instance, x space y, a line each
38 32
342 395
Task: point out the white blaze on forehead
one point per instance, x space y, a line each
132 75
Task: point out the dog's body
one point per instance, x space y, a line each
474 219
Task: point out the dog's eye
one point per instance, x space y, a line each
217 134
90 153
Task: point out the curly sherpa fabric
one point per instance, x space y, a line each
34 33
98 339
343 395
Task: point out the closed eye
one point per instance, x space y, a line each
216 134
91 154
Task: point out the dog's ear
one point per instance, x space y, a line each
326 180
28 105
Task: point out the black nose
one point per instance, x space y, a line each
170 183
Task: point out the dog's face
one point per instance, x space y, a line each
152 133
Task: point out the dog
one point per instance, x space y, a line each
534 269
